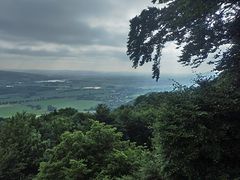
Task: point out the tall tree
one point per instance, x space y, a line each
21 147
200 27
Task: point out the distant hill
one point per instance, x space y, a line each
11 76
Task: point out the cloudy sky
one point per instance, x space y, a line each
73 35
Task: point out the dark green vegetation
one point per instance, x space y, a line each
190 133
39 94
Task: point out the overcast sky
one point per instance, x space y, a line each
73 35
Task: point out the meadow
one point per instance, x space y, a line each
80 105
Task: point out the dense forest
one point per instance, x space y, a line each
189 133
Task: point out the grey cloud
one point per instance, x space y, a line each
66 33
63 52
38 53
58 21
76 29
107 54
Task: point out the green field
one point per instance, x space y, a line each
80 105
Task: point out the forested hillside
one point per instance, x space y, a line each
190 133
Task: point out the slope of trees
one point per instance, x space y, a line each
190 133
64 144
199 129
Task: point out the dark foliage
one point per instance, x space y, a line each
201 27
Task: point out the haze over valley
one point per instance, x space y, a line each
45 91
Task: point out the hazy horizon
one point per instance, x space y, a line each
75 35
189 76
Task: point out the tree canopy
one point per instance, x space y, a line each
200 27
97 154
